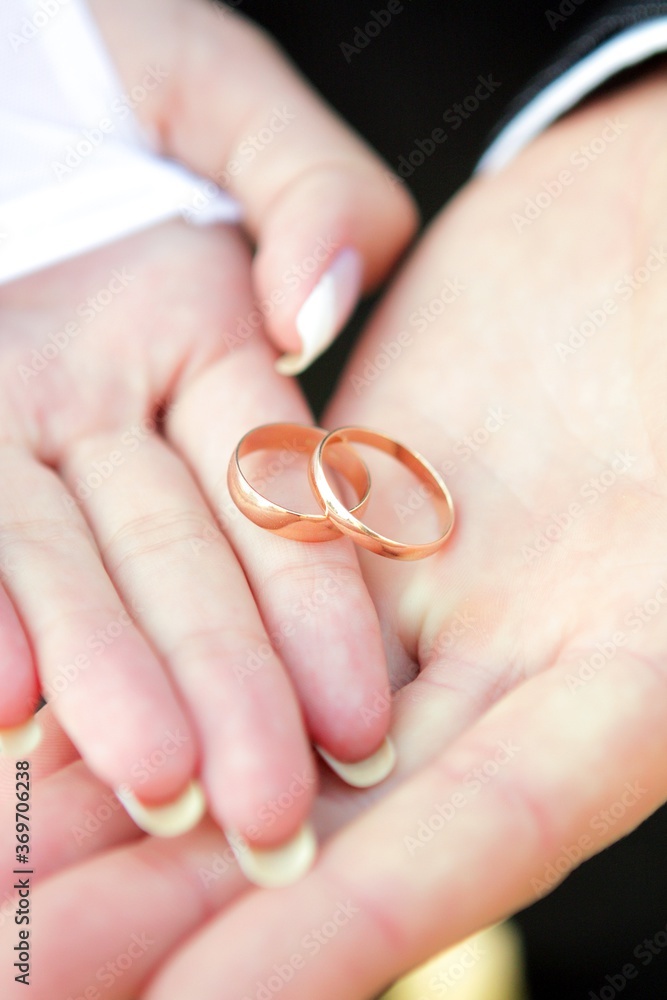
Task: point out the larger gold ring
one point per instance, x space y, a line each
281 520
345 520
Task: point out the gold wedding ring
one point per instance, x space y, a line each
345 520
334 449
282 521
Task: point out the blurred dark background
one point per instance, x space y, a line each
394 90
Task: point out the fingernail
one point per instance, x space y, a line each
326 311
272 868
20 740
364 773
171 819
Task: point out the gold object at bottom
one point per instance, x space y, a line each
488 966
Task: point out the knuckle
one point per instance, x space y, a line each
162 537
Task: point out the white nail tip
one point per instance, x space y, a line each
365 773
273 868
169 820
20 740
325 311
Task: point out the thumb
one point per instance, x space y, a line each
327 215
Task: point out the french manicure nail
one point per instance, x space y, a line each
19 741
325 311
171 819
364 773
272 868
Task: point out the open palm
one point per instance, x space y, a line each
534 728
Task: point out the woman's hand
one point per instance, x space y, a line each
126 378
170 634
106 905
327 217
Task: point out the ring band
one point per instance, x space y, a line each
281 520
345 520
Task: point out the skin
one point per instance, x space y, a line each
315 179
138 602
140 619
526 766
533 733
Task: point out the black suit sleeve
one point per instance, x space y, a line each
614 21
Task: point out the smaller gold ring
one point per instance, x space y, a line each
345 520
281 520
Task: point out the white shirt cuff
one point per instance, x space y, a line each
77 169
627 49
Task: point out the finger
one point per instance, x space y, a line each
545 780
428 712
18 683
107 686
328 217
193 602
107 924
54 751
72 817
315 605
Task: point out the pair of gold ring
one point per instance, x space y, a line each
334 448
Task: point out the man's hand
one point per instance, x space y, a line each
535 725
